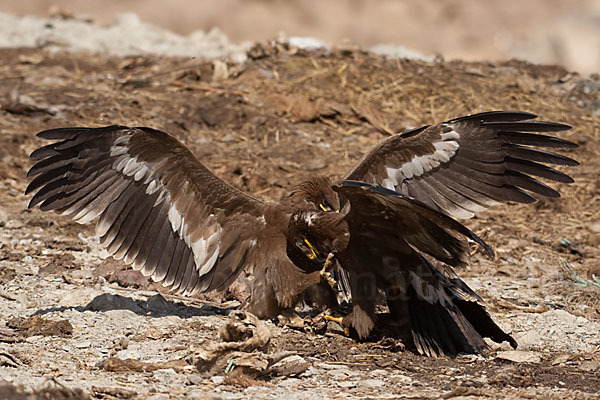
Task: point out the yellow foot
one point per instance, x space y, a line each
325 274
339 321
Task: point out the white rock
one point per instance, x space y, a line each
346 384
519 356
373 383
83 344
529 338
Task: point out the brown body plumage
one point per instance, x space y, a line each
389 223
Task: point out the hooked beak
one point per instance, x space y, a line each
313 252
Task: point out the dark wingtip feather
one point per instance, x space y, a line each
60 133
527 126
31 187
533 154
32 172
497 116
528 183
533 139
44 152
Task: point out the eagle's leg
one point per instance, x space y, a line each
325 274
340 321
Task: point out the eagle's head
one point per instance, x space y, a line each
312 235
316 193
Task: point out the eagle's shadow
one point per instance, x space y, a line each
155 306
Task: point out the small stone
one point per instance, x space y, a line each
14 224
82 345
594 227
217 380
519 356
373 383
311 371
332 366
196 380
290 366
378 373
529 338
401 379
563 358
159 396
346 384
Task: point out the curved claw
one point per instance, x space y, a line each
325 274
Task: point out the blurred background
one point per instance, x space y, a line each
565 32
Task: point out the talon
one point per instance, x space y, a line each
325 274
339 321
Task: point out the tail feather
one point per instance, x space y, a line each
485 325
441 329
443 320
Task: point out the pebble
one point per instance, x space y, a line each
373 383
82 345
519 356
529 338
217 380
401 379
378 373
158 396
346 384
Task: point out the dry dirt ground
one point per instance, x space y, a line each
75 326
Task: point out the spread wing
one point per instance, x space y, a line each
159 208
468 164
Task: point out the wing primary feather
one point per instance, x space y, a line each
531 154
73 203
527 126
44 152
497 116
526 182
532 139
533 168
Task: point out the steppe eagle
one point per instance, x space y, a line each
388 227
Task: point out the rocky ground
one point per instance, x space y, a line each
77 326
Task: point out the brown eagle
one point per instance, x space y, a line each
388 227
